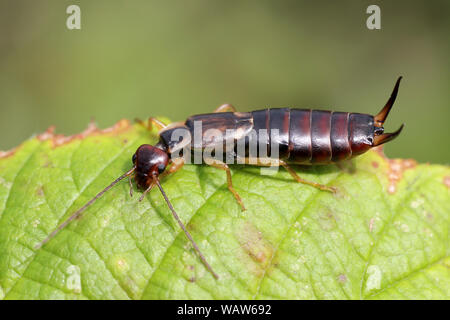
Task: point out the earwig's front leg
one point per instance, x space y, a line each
155 122
220 165
131 185
300 180
146 191
151 122
176 165
225 108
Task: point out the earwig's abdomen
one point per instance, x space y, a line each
360 132
279 119
272 128
260 126
321 137
300 136
310 136
340 143
304 136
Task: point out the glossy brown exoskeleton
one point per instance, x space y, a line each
303 137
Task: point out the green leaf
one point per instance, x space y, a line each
383 236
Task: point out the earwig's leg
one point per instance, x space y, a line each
225 108
131 186
142 123
155 122
176 165
146 191
220 165
151 122
300 180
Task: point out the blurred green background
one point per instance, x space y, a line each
177 58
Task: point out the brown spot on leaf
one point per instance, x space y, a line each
6 154
47 164
396 168
327 220
375 164
59 139
48 134
371 223
380 151
40 191
256 247
342 278
46 161
395 172
447 181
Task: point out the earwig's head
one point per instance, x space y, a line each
149 161
379 136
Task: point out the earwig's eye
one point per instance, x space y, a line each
134 158
161 167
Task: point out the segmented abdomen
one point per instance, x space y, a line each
313 136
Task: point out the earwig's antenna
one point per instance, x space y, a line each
77 213
202 257
382 115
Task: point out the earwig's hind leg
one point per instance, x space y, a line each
220 165
300 180
225 108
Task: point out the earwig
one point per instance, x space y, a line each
305 137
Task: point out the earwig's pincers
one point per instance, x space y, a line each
380 118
